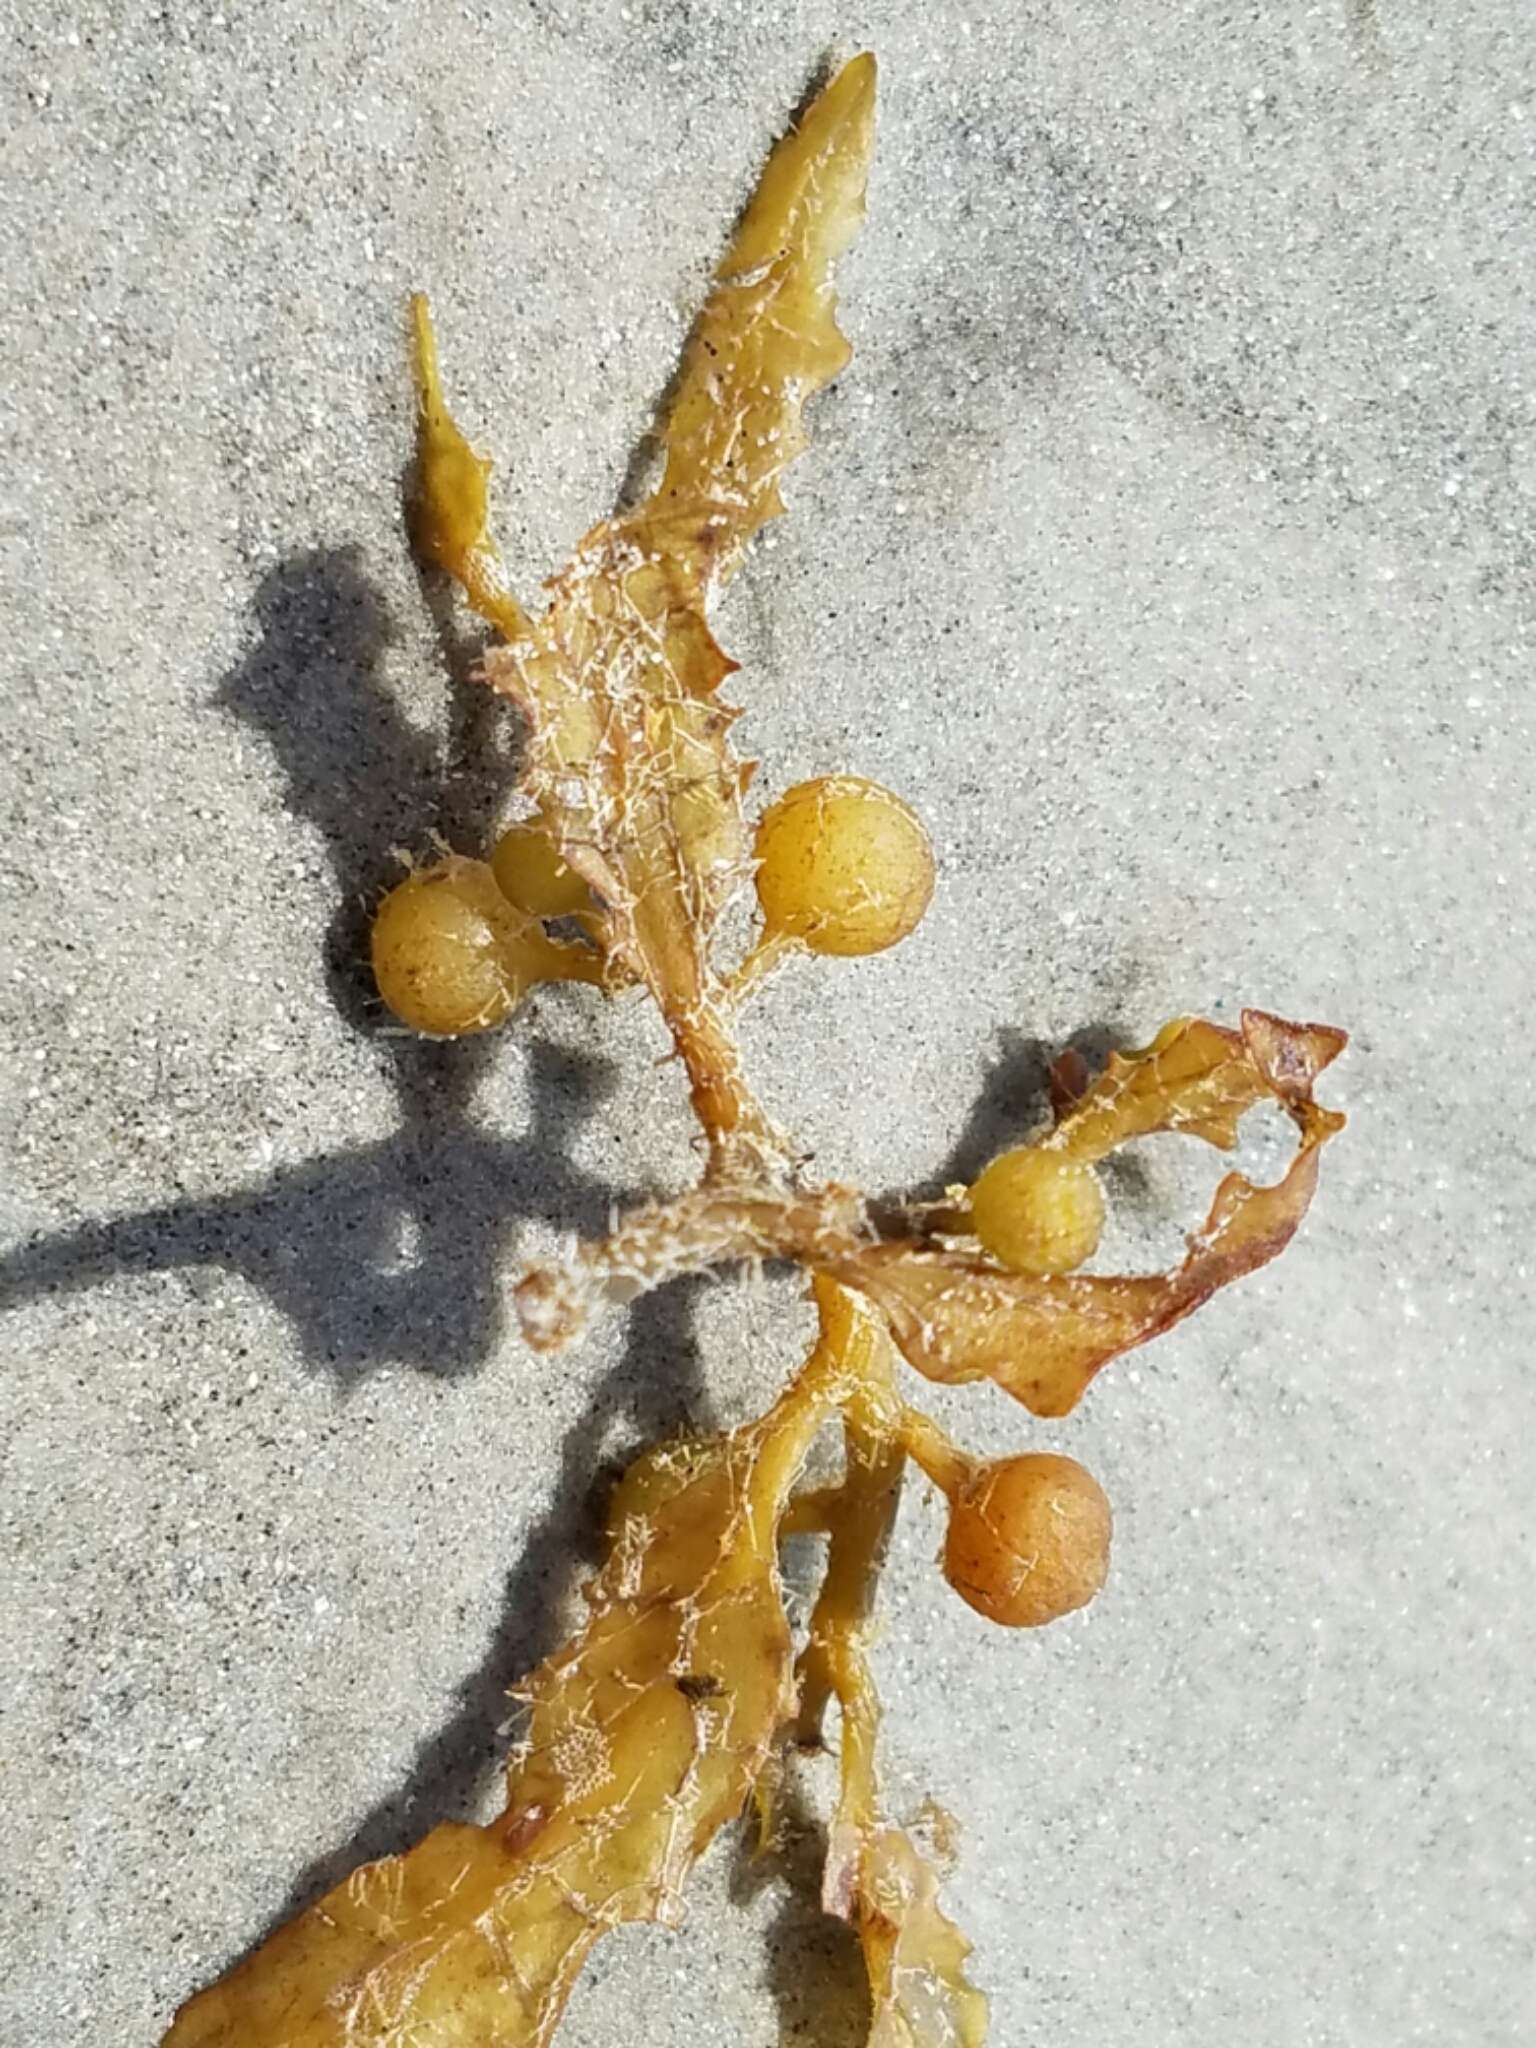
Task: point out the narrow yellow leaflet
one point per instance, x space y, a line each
768 337
450 518
875 1876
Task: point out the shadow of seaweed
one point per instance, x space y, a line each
390 1251
816 1973
356 768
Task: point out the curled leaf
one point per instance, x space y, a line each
1195 1077
959 1317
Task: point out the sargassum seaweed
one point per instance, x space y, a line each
672 1706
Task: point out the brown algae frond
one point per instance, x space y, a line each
667 1712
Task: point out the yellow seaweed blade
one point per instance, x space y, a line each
1195 1077
768 337
450 521
646 1733
629 761
914 1952
412 1935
